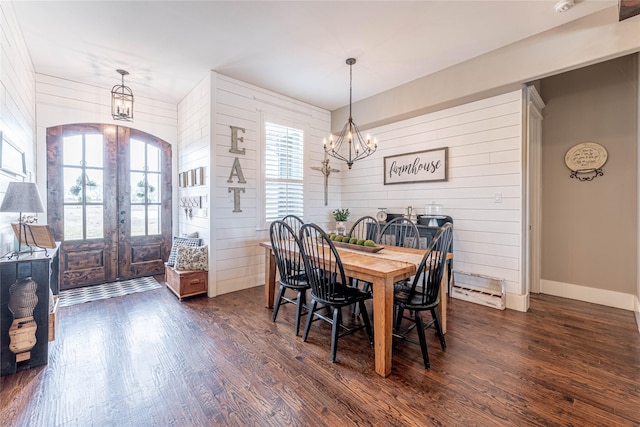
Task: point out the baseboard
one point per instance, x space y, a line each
587 294
637 311
518 302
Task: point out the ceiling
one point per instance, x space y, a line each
296 48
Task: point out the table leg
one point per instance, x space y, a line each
269 278
383 324
442 307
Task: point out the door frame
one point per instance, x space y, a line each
96 260
532 233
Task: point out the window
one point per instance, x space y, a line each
146 200
283 171
83 172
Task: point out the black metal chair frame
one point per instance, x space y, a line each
286 250
403 230
329 286
423 293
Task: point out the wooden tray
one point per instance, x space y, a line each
358 247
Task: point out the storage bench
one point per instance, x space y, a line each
186 283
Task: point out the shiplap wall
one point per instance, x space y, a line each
60 101
235 257
485 163
17 107
194 151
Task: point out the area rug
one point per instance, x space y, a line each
107 290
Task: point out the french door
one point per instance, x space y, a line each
109 202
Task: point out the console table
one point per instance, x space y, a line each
43 269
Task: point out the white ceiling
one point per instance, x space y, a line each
296 48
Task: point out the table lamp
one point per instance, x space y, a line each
21 197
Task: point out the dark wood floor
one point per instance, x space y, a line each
149 360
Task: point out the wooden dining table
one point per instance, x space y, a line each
382 273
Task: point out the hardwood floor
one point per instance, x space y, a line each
148 360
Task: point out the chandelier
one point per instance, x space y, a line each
359 147
122 100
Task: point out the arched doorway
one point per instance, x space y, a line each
109 202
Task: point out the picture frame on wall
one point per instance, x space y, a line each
12 158
199 176
418 166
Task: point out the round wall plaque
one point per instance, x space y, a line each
586 157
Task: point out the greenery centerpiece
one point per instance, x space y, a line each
341 215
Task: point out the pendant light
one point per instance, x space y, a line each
358 147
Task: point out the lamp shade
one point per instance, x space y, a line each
22 197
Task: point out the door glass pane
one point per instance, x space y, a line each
95 215
72 185
83 184
138 220
137 187
153 187
73 222
153 158
137 154
72 150
94 150
93 185
153 215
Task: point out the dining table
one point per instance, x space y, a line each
382 269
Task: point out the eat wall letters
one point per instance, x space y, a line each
236 168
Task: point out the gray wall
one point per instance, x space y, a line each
589 229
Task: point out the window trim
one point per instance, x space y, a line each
288 121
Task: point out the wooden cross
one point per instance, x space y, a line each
326 171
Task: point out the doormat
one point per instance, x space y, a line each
107 290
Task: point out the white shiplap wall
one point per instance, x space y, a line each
485 163
60 101
17 107
236 259
194 136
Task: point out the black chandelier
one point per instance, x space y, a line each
122 100
359 148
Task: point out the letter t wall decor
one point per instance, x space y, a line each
236 169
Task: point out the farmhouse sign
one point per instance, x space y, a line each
420 166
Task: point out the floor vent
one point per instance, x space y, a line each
485 290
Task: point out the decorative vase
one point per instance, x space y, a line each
340 227
22 302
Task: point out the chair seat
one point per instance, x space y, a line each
344 295
415 304
298 281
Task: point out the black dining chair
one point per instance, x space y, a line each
286 249
366 227
422 294
400 232
293 221
329 286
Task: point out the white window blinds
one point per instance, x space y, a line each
283 171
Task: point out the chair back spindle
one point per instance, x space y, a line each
425 288
367 228
323 265
293 221
401 232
